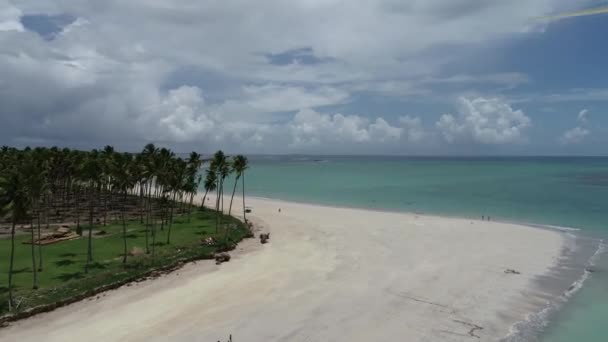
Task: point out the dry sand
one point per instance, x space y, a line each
329 274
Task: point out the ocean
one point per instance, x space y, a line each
570 193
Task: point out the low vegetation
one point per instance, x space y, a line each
63 276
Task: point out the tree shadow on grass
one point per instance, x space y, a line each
64 262
97 266
70 276
68 255
132 236
22 270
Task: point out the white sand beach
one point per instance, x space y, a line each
328 274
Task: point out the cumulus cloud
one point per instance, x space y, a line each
311 128
574 136
577 134
412 129
182 115
110 75
485 121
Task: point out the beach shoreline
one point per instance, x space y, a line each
332 273
551 227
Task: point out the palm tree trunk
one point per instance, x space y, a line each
10 267
204 197
184 203
124 233
47 219
105 205
39 246
244 213
162 216
222 194
190 206
217 209
236 181
219 216
149 207
34 269
170 221
153 238
217 197
141 203
78 213
90 238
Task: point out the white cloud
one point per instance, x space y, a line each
571 95
311 128
485 121
574 136
382 131
577 134
182 115
413 131
74 25
10 17
105 78
582 116
508 79
278 98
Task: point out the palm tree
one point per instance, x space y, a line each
57 185
210 184
162 163
244 165
220 167
149 155
33 178
107 158
193 182
14 203
239 164
224 171
93 175
122 181
45 197
175 182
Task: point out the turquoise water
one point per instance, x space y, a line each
567 192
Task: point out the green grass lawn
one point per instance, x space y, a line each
63 263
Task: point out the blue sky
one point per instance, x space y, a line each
386 77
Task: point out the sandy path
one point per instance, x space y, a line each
328 274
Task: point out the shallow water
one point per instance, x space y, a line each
565 192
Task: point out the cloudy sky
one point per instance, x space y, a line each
306 76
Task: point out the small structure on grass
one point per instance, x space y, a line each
61 234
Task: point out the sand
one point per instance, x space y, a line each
329 274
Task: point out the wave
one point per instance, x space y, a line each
535 323
552 227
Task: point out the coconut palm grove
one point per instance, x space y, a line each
75 223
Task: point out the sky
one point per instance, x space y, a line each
417 77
